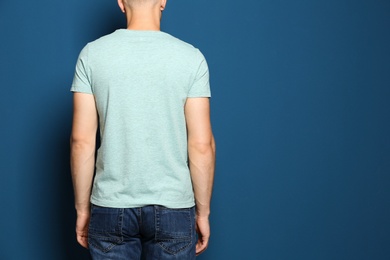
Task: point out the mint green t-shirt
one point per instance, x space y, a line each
140 81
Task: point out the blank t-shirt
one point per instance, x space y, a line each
140 81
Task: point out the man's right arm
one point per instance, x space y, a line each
201 153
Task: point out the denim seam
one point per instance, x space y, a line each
139 217
121 224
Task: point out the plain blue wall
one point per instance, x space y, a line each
300 110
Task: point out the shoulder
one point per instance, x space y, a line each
102 42
184 48
101 46
178 42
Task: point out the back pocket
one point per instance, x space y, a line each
175 228
105 228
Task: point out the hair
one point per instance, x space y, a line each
138 3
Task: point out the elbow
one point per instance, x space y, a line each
202 147
213 146
82 142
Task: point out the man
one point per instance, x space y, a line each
149 93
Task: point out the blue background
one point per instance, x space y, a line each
300 111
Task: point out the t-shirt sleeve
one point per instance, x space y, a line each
201 84
81 80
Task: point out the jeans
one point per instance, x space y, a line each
150 232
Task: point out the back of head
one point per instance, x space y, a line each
140 3
142 14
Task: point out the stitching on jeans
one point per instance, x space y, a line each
156 222
139 217
189 239
121 224
113 241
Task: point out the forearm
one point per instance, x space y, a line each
202 165
82 168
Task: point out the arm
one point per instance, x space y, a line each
83 141
201 152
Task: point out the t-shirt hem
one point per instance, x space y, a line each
114 204
79 90
199 95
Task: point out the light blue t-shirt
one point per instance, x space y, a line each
140 81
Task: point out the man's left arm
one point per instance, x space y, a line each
83 143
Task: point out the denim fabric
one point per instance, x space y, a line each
147 233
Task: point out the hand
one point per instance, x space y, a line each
82 229
203 230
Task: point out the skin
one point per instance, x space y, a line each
201 154
201 144
83 142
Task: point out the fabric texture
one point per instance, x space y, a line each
140 81
148 233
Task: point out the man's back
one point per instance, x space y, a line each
149 93
140 81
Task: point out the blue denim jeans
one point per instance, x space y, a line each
150 232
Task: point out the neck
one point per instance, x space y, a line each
143 20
